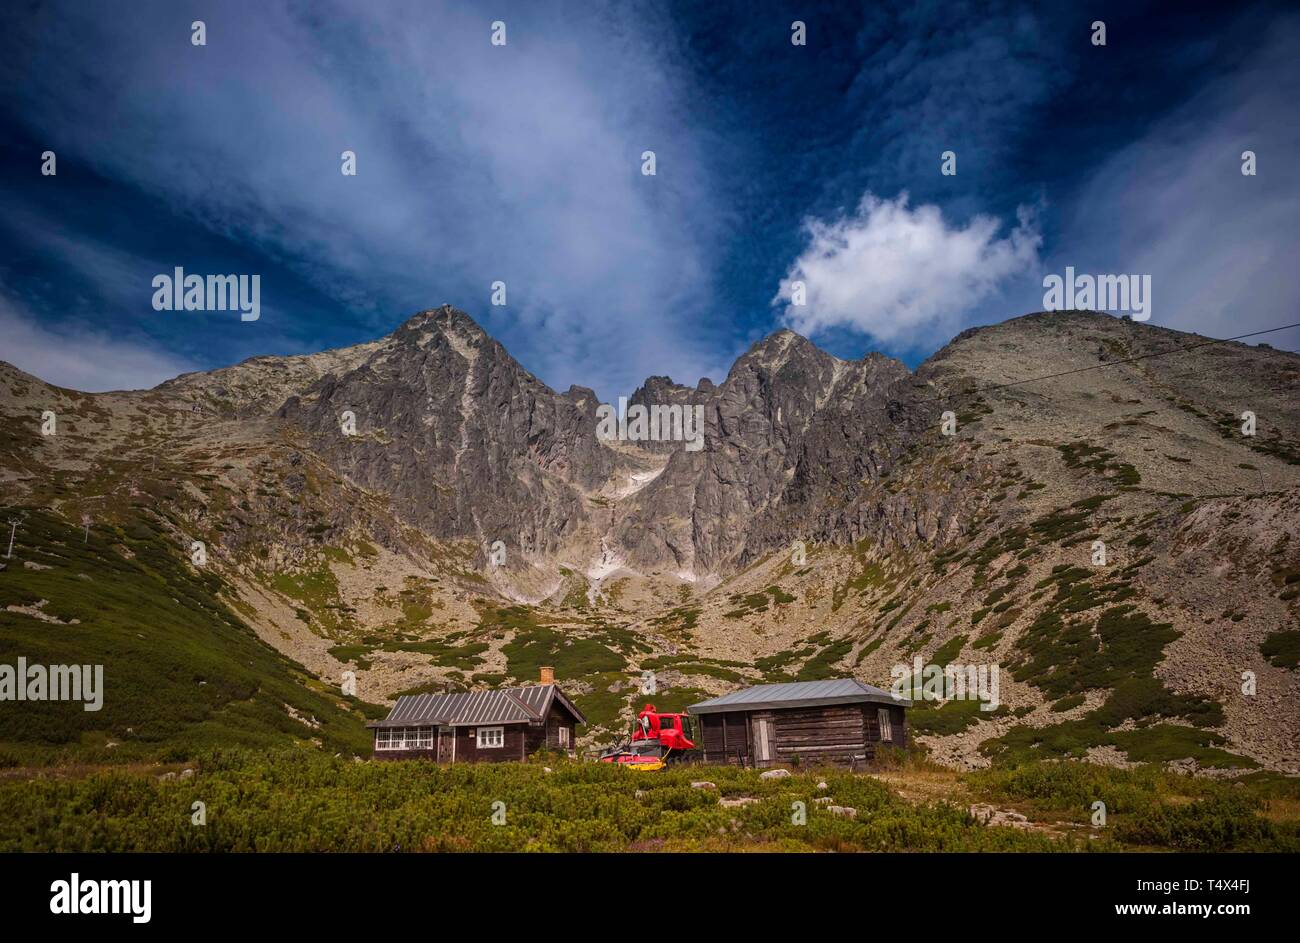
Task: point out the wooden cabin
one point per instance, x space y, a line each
479 726
806 722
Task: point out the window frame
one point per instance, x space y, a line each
419 738
404 738
494 733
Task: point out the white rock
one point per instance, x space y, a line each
822 786
993 816
774 774
842 810
703 784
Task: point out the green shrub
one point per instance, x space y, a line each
1219 823
1282 649
303 801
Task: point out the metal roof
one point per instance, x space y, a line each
472 708
798 694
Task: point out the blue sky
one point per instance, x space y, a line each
522 164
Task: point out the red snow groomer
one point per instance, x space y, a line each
657 739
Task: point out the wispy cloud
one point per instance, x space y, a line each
80 357
895 272
521 164
475 163
939 76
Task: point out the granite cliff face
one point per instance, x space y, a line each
463 440
466 443
791 432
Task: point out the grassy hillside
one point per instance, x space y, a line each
182 672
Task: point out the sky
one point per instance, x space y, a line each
522 163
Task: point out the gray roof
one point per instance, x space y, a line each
472 708
798 694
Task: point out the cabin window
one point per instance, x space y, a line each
886 728
419 738
404 738
564 736
491 737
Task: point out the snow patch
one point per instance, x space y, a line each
636 481
609 562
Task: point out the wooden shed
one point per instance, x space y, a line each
478 726
840 721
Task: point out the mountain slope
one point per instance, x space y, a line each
181 670
372 552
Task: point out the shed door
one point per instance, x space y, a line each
446 737
762 740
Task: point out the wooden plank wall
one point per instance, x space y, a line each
548 736
898 719
467 750
406 754
737 733
833 733
723 737
711 733
897 723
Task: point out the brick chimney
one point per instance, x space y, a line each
548 675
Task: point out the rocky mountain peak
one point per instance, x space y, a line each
771 355
424 327
414 454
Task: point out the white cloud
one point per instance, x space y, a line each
82 358
894 272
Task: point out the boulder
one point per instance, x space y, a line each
736 801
